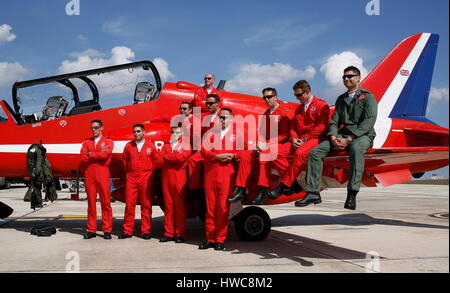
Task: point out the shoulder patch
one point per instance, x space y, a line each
361 97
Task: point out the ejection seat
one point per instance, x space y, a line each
144 92
55 108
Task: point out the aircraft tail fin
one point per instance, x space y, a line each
401 81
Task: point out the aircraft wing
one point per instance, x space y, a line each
390 165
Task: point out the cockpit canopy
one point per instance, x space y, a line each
89 84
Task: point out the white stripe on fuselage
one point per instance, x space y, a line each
64 148
390 97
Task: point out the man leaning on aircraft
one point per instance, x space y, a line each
356 112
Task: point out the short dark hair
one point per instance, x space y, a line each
139 125
302 84
97 121
270 89
354 69
216 97
187 103
227 109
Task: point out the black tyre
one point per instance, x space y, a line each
252 224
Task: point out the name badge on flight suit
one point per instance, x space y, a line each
361 97
232 138
149 151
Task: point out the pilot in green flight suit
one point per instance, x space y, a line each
356 111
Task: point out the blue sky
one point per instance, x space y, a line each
272 43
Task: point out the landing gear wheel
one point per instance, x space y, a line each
252 224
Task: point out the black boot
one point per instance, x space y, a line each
89 235
310 198
277 191
239 195
295 188
261 196
350 203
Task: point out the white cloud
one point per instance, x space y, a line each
5 34
163 69
252 78
334 68
438 95
116 82
81 37
115 27
285 34
10 72
88 52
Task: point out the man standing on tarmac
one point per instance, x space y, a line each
173 161
352 129
219 150
95 159
139 157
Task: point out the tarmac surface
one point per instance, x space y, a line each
398 229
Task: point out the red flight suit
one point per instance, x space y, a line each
139 168
95 169
200 98
174 186
283 122
219 182
312 127
196 160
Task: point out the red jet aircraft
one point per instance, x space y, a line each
407 144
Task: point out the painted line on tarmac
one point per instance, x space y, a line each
13 219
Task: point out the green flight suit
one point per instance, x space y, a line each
358 119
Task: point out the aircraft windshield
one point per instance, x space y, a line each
3 117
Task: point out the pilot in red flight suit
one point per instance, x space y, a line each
209 120
309 127
139 157
219 150
173 161
95 159
202 93
282 121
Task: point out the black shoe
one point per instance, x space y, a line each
107 235
179 240
146 236
206 245
295 187
261 196
350 203
166 239
219 246
89 235
125 235
277 191
239 195
310 198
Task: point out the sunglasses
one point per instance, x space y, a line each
210 103
349 76
299 95
181 108
137 131
268 97
208 78
95 127
224 117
